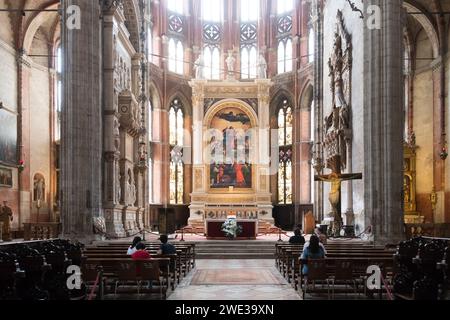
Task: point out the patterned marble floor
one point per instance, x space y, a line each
187 291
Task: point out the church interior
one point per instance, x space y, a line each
235 128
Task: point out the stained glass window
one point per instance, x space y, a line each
176 23
285 56
176 56
285 125
211 57
283 29
176 137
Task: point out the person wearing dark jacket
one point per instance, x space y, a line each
297 238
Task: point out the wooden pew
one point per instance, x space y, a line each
111 265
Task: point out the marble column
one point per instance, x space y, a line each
23 68
263 156
198 169
81 140
317 23
383 112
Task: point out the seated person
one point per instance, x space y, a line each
312 251
306 245
141 253
132 248
166 248
297 238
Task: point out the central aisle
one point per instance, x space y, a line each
215 279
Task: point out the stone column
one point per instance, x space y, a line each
317 23
383 112
23 69
263 155
198 168
81 141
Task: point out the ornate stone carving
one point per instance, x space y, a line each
337 125
131 189
130 117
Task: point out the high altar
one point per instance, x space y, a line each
231 150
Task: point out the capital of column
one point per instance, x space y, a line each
24 60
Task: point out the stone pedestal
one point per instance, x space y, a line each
129 218
114 222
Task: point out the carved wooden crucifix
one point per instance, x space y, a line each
336 178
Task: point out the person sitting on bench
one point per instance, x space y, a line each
297 238
141 253
132 248
312 251
166 248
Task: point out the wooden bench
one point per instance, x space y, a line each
125 270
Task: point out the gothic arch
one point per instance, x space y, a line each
35 21
155 96
426 22
212 111
306 97
276 100
187 107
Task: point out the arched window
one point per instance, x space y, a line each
176 56
211 57
284 37
285 56
285 125
311 45
176 137
175 6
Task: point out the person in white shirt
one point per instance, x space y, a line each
132 249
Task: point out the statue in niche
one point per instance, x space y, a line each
131 189
198 67
116 134
406 190
39 188
118 186
230 61
262 66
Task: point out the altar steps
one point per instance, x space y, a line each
235 249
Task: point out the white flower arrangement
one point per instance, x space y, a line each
231 228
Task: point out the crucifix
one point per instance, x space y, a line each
336 178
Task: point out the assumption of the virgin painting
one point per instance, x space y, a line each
229 147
